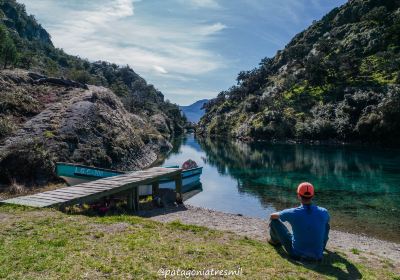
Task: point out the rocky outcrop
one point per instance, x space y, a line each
40 80
60 123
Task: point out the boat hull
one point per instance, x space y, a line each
190 179
78 174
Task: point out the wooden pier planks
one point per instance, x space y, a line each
125 183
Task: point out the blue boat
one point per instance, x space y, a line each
75 174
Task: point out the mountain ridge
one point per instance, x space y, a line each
195 111
337 80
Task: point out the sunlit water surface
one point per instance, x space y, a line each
360 186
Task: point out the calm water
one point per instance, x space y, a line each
359 186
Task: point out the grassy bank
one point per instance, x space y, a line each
49 244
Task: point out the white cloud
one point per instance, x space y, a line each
112 31
211 29
160 69
210 4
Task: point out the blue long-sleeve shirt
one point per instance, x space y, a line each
310 225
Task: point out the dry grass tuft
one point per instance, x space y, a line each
16 188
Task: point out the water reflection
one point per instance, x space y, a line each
360 186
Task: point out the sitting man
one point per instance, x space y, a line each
310 225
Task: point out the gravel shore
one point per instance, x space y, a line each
354 246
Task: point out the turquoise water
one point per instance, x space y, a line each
360 186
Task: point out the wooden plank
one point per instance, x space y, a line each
76 191
129 181
99 184
25 203
110 179
59 196
69 196
87 189
101 181
66 195
119 176
97 189
36 201
39 199
50 197
129 178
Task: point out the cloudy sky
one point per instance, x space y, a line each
189 49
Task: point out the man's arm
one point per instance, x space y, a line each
274 216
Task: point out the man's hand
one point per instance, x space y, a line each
274 216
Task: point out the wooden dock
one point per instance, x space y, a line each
126 184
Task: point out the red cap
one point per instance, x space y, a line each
306 190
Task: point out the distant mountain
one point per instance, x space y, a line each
337 80
194 112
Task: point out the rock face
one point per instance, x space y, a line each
49 123
337 80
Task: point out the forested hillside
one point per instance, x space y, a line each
58 107
337 80
34 51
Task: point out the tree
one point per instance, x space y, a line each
3 34
26 59
8 53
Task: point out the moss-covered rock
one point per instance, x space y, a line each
75 125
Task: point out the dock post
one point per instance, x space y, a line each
136 197
130 200
178 188
155 188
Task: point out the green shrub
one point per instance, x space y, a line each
6 127
28 162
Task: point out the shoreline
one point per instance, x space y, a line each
289 141
358 247
355 246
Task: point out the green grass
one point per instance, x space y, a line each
48 134
47 244
355 251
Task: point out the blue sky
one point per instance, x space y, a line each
189 49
